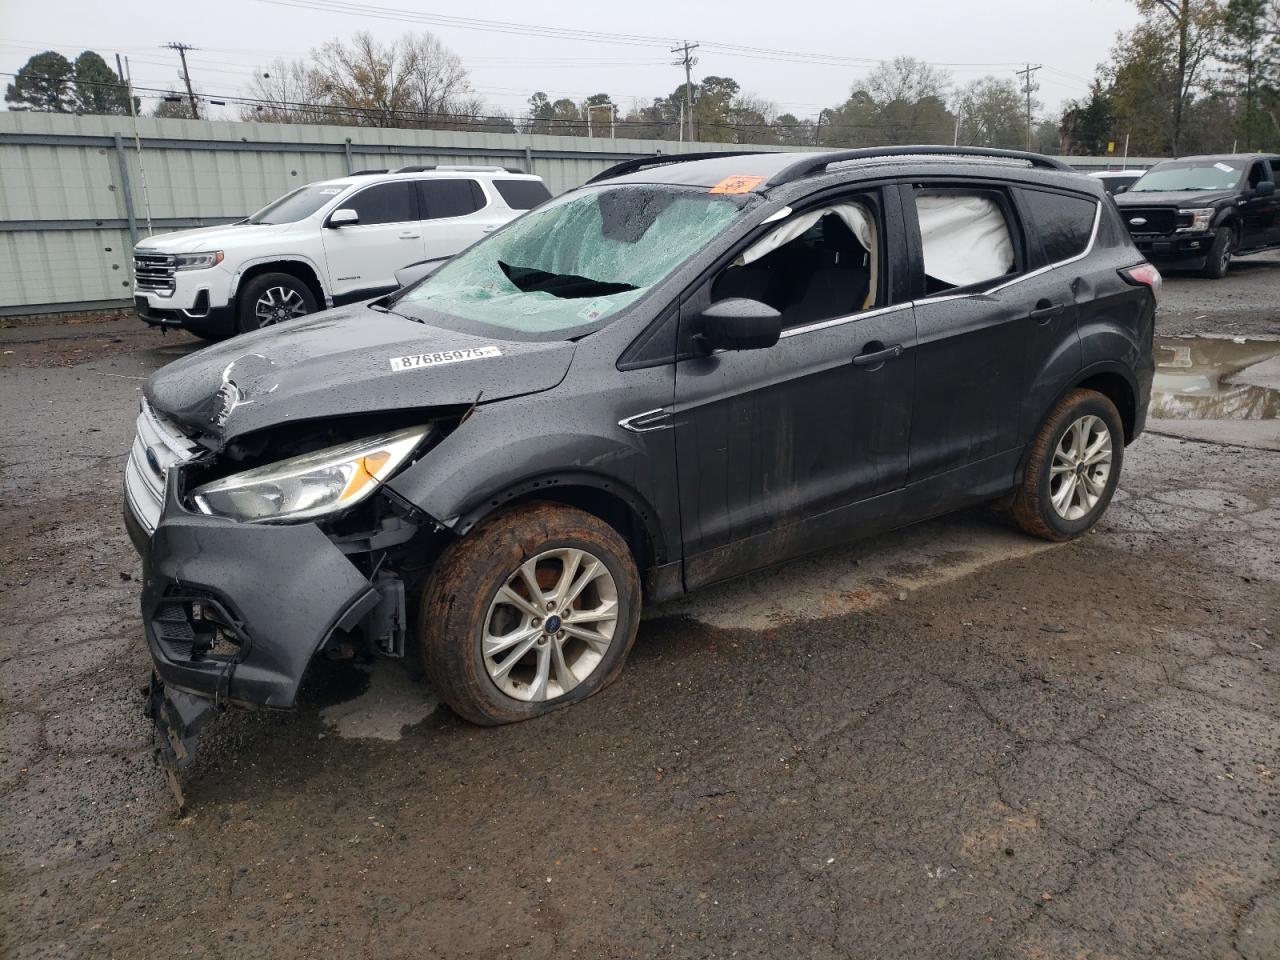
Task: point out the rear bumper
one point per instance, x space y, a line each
235 612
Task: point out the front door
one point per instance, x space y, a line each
1260 214
363 257
775 446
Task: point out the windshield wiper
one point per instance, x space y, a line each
567 286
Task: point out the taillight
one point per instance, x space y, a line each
1145 275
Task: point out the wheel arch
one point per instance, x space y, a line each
612 501
302 270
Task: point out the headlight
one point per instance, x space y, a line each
197 261
312 484
1200 218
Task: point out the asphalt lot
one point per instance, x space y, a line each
952 741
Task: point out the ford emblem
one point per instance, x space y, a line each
1138 221
153 461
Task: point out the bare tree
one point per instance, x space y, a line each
1196 25
288 92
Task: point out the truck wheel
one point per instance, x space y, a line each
534 609
1073 468
1218 261
272 298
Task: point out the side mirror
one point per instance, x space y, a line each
739 324
1265 188
346 217
1121 189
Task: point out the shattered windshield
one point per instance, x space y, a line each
566 267
1191 175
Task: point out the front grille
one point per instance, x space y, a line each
154 272
1158 221
157 446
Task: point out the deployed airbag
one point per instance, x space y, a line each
857 218
964 236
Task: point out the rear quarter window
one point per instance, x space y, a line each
522 194
1064 223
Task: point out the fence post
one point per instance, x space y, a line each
346 146
528 160
125 189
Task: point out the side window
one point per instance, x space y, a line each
1257 173
383 203
449 198
522 194
1064 223
965 237
818 264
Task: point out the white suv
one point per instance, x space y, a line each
332 242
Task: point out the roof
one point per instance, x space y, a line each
427 173
1224 156
773 170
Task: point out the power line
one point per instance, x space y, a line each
687 60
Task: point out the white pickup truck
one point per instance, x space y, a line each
332 242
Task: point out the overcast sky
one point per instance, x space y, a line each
972 38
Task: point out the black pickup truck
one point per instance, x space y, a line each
1196 213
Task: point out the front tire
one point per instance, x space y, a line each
1218 262
1073 468
534 609
272 298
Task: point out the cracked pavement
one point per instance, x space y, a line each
950 741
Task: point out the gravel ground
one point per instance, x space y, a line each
951 741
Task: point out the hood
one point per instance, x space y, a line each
347 361
1173 198
210 238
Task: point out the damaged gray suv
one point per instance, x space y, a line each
690 368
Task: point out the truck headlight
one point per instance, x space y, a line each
1200 219
310 485
197 261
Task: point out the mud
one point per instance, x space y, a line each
948 742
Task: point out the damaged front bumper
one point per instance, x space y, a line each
235 612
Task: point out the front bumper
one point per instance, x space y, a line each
235 612
1183 251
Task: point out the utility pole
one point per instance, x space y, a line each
182 49
1028 88
687 60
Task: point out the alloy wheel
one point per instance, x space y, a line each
1081 468
278 304
550 624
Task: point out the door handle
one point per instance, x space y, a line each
875 357
1046 311
490 229
410 236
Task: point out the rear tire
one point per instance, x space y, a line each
1072 469
272 298
1218 262
496 592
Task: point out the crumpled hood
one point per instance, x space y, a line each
347 361
1173 198
201 239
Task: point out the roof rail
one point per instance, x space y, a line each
662 159
423 168
820 161
367 173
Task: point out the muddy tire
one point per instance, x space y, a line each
1072 468
534 609
272 298
1218 261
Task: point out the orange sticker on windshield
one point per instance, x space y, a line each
737 185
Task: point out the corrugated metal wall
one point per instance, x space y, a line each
73 191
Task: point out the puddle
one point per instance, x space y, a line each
1210 378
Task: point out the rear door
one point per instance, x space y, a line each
363 257
995 331
456 212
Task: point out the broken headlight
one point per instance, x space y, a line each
310 485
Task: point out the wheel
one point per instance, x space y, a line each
1073 468
271 298
534 609
1218 261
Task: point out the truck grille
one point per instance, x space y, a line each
154 272
157 446
1159 221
